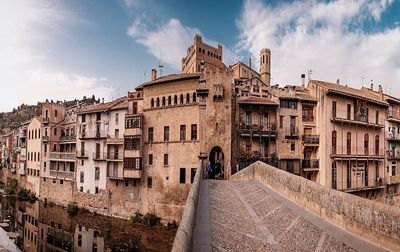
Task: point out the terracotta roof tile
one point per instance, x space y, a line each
257 100
171 77
101 106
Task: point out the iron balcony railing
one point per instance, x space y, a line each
99 156
292 132
115 155
68 138
82 153
393 154
63 155
310 163
357 151
93 134
62 174
311 139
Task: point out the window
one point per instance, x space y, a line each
182 133
36 134
248 120
289 166
158 102
163 101
348 111
292 146
152 103
97 173
96 190
149 182
348 143
97 154
82 177
132 163
83 118
150 159
81 189
150 135
192 174
334 137
175 100
79 240
169 101
187 98
182 175
194 97
55 113
98 116
165 159
366 173
377 117
116 118
281 122
133 122
333 109
348 178
193 132
288 104
132 142
377 145
166 133
44 166
55 131
366 144
181 99
334 174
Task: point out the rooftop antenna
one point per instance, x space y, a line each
160 65
310 72
362 81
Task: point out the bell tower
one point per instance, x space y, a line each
265 66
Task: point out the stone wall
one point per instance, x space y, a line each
124 198
92 202
53 190
371 220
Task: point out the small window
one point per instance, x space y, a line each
181 99
96 190
281 122
187 98
292 146
194 97
149 182
166 133
55 131
377 117
55 113
97 173
150 135
192 174
79 240
150 159
126 182
116 118
182 175
82 177
98 116
152 103
81 189
194 132
165 159
183 132
61 182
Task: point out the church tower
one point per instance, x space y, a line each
265 66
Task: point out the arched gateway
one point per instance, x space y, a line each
216 161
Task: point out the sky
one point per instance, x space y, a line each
63 50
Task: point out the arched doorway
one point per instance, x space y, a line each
216 161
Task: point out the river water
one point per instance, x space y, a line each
37 226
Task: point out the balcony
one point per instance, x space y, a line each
63 156
45 138
394 179
23 145
70 138
46 120
361 120
133 121
82 154
393 155
310 164
392 136
292 132
370 184
115 139
133 173
310 140
99 156
115 173
62 174
256 130
359 153
92 134
393 116
114 156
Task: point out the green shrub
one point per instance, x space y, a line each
72 209
137 218
11 186
23 193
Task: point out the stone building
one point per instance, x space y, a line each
352 152
34 154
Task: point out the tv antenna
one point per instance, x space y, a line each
310 72
160 64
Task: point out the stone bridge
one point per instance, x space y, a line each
266 209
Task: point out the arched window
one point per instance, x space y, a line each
366 144
377 145
158 102
204 51
181 99
187 98
348 143
334 137
152 103
163 101
199 49
194 97
334 175
169 100
175 100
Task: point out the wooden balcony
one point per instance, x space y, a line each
115 156
310 140
310 164
115 173
256 130
115 139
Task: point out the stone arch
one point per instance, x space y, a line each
216 161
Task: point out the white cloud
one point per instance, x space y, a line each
25 77
169 41
324 36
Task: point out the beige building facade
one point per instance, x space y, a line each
34 151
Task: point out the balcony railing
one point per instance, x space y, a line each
69 138
115 156
359 152
115 173
115 139
311 139
62 174
393 155
256 130
63 155
23 145
292 132
99 156
307 119
46 120
133 173
358 120
92 134
392 136
133 121
82 154
310 164
45 138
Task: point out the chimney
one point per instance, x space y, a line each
153 74
102 100
250 63
338 81
303 80
372 86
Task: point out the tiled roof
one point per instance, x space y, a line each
359 93
171 77
257 100
121 105
306 97
101 106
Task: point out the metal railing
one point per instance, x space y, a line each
292 131
63 155
93 134
115 155
63 174
311 139
82 153
68 138
357 151
310 163
45 138
99 155
393 154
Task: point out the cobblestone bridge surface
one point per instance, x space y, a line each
247 216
